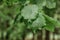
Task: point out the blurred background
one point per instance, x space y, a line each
10 13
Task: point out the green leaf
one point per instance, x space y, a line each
51 23
50 27
41 3
52 20
50 4
21 27
29 11
39 22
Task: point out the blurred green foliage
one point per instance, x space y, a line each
18 16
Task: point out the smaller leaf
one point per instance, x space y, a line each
49 27
38 23
41 3
50 4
